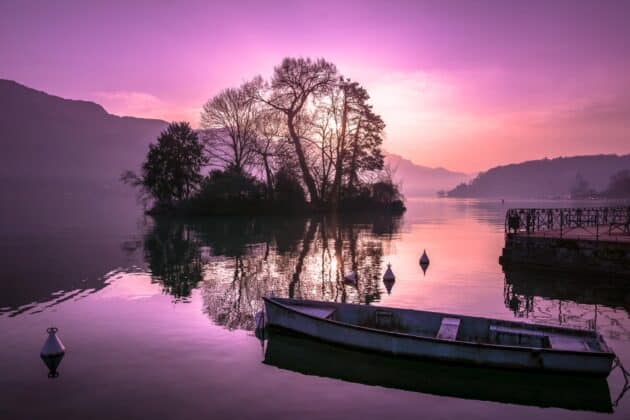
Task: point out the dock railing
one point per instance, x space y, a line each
591 222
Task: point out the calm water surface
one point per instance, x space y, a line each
157 316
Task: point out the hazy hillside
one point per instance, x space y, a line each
46 136
420 180
61 160
545 178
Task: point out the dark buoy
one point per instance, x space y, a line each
389 285
389 274
424 259
53 351
424 262
424 268
389 279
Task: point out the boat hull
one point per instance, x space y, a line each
399 344
299 353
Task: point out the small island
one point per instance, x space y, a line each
306 141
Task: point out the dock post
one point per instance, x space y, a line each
597 226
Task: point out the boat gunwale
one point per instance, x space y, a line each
607 353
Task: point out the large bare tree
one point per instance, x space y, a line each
271 143
357 137
229 122
295 82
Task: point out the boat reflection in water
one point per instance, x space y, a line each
309 356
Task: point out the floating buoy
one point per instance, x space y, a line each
424 268
52 352
388 286
389 279
424 259
389 274
351 277
424 262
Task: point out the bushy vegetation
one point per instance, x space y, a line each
225 193
308 139
288 193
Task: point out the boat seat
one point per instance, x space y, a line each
563 342
448 328
516 331
318 311
518 336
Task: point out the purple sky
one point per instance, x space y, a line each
465 85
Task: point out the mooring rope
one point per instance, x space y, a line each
626 375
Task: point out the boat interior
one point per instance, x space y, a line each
453 327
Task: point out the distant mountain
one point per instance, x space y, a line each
47 136
545 178
420 180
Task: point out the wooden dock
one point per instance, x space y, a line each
586 240
598 233
585 223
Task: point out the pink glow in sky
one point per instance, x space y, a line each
465 85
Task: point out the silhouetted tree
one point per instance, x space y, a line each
171 171
295 82
366 144
308 123
229 120
271 144
358 137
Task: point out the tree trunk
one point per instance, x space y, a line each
306 173
268 175
353 162
341 149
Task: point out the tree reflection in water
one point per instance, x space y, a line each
173 254
237 261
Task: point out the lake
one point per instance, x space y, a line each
158 316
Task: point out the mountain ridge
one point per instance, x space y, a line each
419 180
47 135
544 178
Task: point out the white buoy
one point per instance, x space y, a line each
351 277
389 274
389 279
52 351
424 259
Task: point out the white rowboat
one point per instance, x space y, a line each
445 337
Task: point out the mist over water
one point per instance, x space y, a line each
158 315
